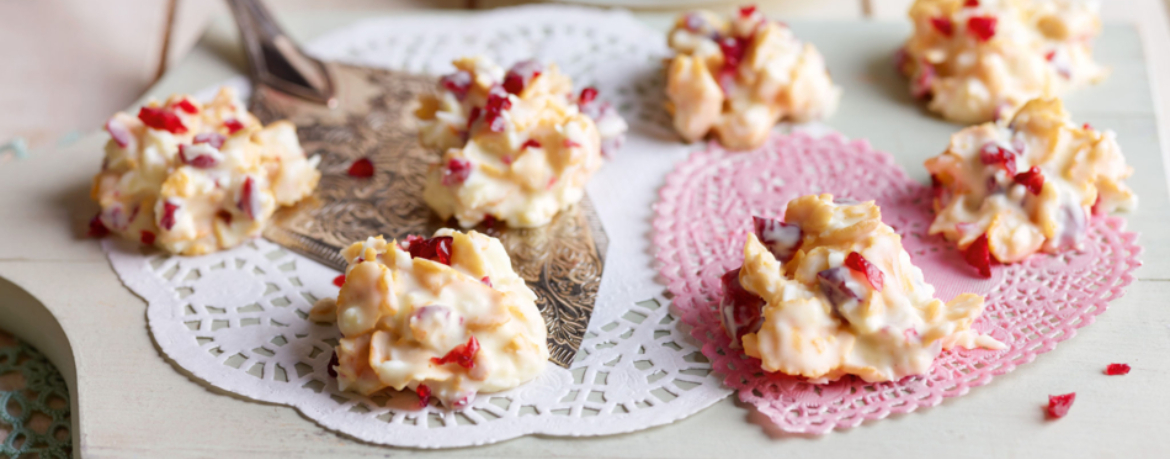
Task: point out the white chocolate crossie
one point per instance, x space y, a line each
981 182
982 60
193 178
401 315
516 146
739 77
824 318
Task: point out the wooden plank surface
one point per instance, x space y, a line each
130 402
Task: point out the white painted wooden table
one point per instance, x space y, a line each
57 288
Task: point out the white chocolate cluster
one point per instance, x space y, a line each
193 178
738 77
1028 185
446 317
981 60
517 146
830 291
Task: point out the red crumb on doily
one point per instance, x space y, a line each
1117 369
463 354
587 95
339 280
1058 405
362 168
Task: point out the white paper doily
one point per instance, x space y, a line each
237 319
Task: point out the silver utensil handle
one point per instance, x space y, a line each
274 60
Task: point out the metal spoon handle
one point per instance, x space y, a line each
274 60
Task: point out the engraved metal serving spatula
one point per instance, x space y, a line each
344 113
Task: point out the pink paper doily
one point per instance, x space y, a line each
702 219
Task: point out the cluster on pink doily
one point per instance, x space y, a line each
704 214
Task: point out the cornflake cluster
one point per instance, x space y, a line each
518 146
446 317
738 77
830 291
981 60
193 178
1003 191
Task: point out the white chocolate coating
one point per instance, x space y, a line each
519 156
1083 174
211 184
737 78
823 319
400 314
982 60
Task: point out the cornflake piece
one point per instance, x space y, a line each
980 62
1067 173
174 177
737 77
831 310
1117 369
518 146
421 314
1058 405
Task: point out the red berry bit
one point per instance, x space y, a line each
486 281
1032 179
570 144
982 27
995 154
247 203
146 237
520 75
462 355
782 239
497 103
339 280
233 126
214 139
197 157
186 106
119 132
741 311
936 188
530 143
456 172
588 95
1117 369
1050 56
1087 127
424 395
978 254
874 275
923 85
733 50
437 249
97 229
458 83
1058 405
943 26
225 216
747 11
163 120
971 3
168 217
362 168
472 116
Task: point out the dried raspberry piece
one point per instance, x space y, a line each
520 75
412 239
96 227
489 221
462 355
995 154
119 132
588 95
163 120
246 203
214 139
1116 369
982 27
458 83
782 239
486 281
733 49
1096 209
187 106
362 168
339 280
740 310
1058 405
971 3
570 144
943 26
225 216
1050 56
874 275
233 126
923 85
936 187
978 254
1087 127
746 11
201 161
497 103
424 395
456 172
1032 179
168 217
331 368
146 237
530 143
437 249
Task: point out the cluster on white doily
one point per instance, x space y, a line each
239 319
